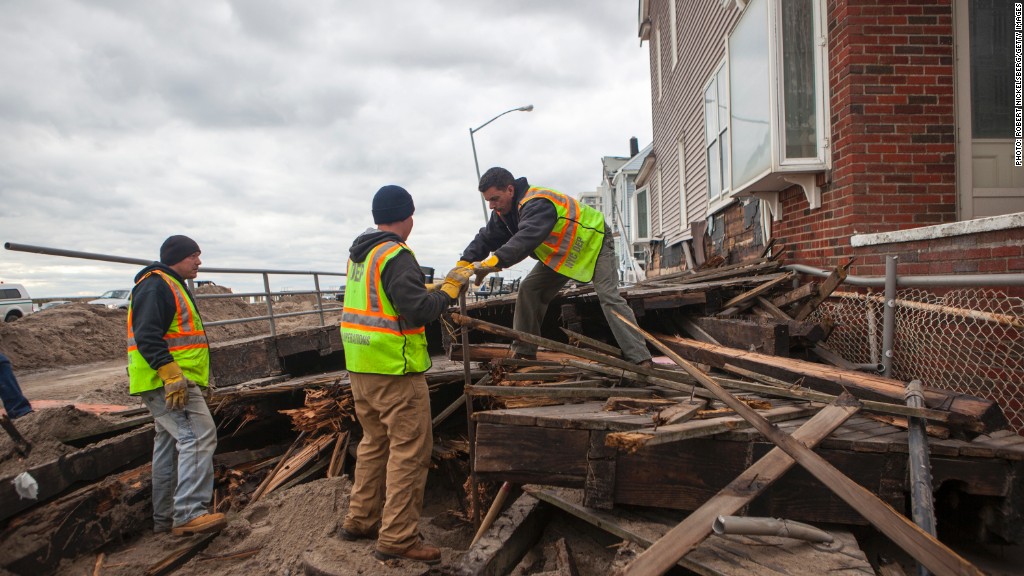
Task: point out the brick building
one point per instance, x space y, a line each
834 127
850 128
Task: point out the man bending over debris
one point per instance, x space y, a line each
169 367
569 242
382 328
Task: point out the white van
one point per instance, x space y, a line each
14 302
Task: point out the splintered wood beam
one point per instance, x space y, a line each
595 344
624 365
78 523
732 306
969 412
83 465
837 277
923 547
773 310
803 292
634 440
768 337
813 396
687 535
679 413
563 392
501 547
696 332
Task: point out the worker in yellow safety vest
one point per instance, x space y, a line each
386 308
169 368
569 242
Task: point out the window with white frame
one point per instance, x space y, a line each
683 217
716 135
660 195
776 98
642 212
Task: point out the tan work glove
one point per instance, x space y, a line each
486 267
175 386
455 282
433 286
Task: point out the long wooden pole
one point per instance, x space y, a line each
922 546
688 534
471 430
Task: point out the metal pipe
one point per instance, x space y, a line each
922 500
769 527
143 262
889 315
270 304
937 281
872 329
319 298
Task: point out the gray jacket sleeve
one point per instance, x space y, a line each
536 220
487 240
403 282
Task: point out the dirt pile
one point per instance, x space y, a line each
84 333
280 535
63 335
43 428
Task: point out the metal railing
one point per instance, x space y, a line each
959 333
269 295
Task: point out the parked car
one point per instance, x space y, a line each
117 299
14 302
53 303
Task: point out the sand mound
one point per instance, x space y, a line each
84 333
42 428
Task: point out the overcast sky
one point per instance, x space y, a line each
263 128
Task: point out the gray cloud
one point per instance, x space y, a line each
263 128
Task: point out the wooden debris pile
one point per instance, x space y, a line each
674 435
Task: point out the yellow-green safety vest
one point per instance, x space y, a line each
186 341
575 241
377 340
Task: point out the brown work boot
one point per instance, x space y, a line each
353 535
420 552
205 524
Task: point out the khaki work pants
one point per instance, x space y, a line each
392 458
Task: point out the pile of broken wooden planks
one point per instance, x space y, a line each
626 445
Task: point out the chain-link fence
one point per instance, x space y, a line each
967 340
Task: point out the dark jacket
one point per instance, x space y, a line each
402 280
153 310
514 237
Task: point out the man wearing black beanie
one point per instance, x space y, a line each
382 328
168 367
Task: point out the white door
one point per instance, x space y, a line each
988 183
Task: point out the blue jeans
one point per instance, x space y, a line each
182 459
14 401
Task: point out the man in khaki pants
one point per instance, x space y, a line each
382 328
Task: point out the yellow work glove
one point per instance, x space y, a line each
175 386
433 286
463 264
486 267
456 280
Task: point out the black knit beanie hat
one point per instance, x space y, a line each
177 248
392 204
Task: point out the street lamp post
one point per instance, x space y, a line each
527 108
